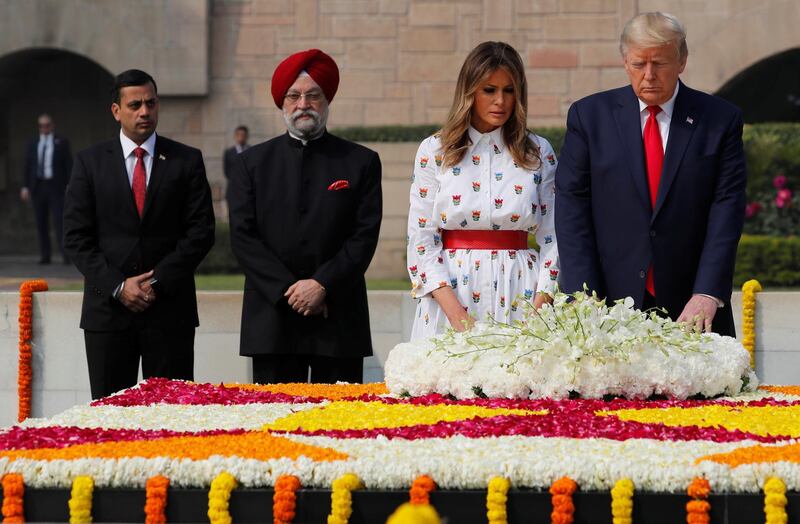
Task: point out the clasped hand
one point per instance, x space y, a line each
307 297
137 293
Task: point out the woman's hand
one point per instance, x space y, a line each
541 299
456 313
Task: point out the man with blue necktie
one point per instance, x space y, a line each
48 163
650 187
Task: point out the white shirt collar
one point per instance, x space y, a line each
667 106
47 138
129 145
495 137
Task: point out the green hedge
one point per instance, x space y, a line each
773 261
770 148
220 259
418 133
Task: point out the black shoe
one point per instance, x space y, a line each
44 261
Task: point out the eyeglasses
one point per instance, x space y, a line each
311 96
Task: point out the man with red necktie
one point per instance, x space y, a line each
138 220
650 187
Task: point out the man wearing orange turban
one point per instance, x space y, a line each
305 212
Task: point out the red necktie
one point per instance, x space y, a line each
139 185
654 157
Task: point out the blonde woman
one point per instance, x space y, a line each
480 186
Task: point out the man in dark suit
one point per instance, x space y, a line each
650 187
305 212
48 163
137 222
240 136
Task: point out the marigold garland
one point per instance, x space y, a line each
697 509
26 291
342 498
496 500
410 513
284 501
80 502
563 507
775 501
421 490
749 290
218 498
156 500
13 491
622 502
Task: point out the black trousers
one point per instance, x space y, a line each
277 369
723 318
48 201
113 356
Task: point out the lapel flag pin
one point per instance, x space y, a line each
689 120
162 157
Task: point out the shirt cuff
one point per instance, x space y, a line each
118 290
720 303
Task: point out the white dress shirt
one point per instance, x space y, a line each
128 146
45 155
664 117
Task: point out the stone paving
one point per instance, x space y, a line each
15 269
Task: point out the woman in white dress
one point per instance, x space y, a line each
480 186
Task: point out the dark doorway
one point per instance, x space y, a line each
75 92
768 91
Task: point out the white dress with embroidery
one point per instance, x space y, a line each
486 190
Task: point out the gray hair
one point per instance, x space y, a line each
654 30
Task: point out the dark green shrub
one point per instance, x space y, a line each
773 261
417 133
220 259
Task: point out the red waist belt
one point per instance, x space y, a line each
484 239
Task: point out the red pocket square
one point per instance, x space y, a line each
339 184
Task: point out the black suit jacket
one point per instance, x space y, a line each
105 238
62 163
608 234
229 161
288 224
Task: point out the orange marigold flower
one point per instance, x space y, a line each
13 491
156 500
284 501
421 489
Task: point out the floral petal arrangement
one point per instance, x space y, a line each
576 346
342 437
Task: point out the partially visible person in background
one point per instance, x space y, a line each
48 163
240 136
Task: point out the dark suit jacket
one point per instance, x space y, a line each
107 241
229 161
287 225
607 232
62 163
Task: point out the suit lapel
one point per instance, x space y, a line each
685 118
160 159
629 125
120 176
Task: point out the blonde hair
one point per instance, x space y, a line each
654 30
482 61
